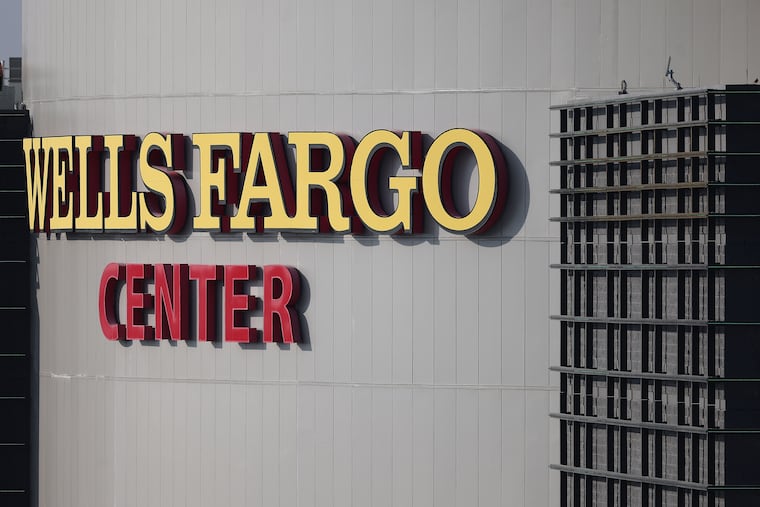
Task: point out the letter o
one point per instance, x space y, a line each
492 176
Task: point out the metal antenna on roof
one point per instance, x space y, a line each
669 75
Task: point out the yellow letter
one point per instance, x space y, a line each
36 183
492 179
122 198
162 181
90 189
213 179
327 180
58 151
367 201
277 190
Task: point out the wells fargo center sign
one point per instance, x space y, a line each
246 184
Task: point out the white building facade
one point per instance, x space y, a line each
425 379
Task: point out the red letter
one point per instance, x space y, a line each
206 276
138 302
171 301
282 288
109 321
237 304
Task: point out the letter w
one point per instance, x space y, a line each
36 184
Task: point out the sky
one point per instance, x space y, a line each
10 29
